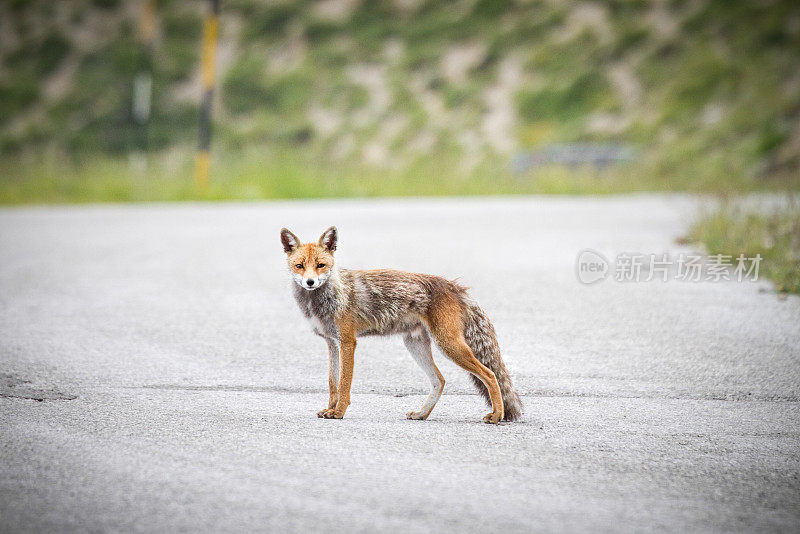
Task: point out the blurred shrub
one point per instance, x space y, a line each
16 94
773 233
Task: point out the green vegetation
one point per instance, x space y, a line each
773 233
706 92
288 175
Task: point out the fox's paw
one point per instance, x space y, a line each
321 413
417 416
329 413
492 418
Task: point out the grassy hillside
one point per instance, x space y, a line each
437 94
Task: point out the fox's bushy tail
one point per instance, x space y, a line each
482 340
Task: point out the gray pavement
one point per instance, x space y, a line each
156 376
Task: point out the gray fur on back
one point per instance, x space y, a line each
390 302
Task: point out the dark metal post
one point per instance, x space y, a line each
143 83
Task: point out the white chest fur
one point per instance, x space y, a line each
317 326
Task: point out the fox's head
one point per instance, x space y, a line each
310 263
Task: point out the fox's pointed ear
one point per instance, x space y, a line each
329 238
289 240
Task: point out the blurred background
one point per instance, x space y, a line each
100 99
103 100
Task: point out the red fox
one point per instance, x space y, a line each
343 304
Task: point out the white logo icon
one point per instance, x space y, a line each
591 266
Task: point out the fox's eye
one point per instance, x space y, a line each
299 265
320 265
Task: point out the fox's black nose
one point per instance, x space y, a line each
309 283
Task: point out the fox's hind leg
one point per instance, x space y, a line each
447 329
418 344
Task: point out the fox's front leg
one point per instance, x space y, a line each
347 349
333 377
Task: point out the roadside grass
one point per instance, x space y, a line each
279 177
267 173
774 233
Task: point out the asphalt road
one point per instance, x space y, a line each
155 375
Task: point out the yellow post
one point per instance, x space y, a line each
147 23
202 163
210 35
